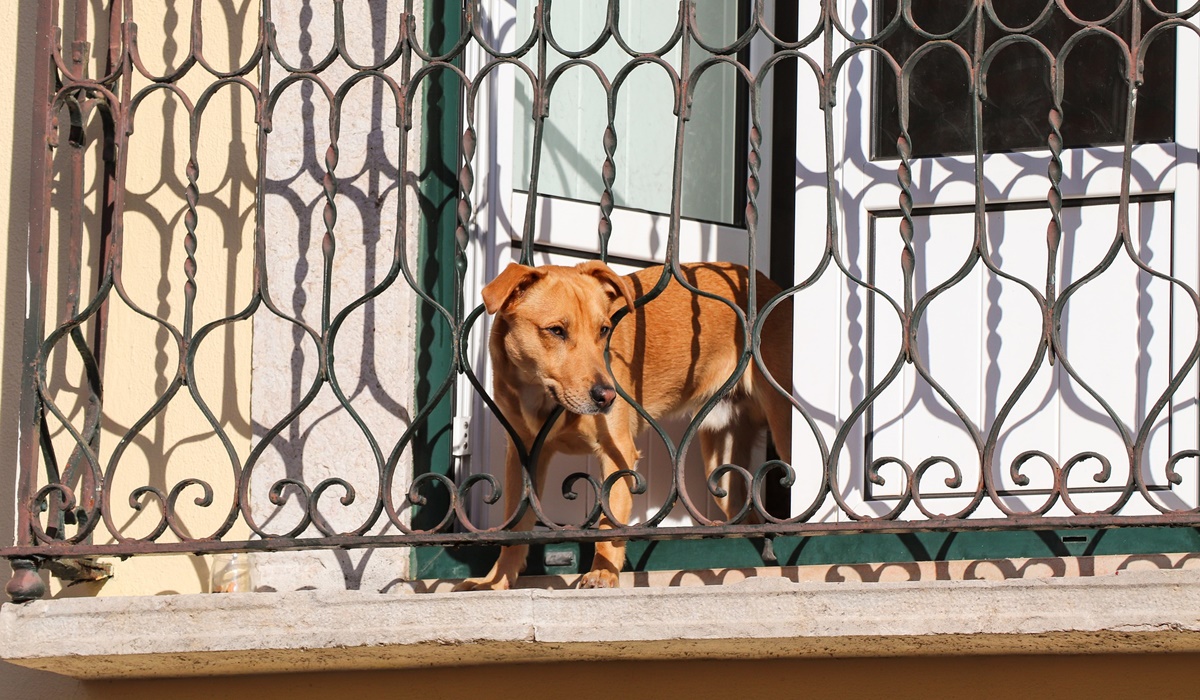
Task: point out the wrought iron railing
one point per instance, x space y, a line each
71 483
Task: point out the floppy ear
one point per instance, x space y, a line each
512 281
616 285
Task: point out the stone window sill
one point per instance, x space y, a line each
770 613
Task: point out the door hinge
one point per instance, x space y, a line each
461 437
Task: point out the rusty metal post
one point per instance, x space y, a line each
25 583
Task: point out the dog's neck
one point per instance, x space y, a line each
527 407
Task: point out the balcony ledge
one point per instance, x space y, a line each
766 616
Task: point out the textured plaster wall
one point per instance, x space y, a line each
140 359
375 352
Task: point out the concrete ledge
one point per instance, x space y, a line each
763 617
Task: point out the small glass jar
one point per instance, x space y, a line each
231 573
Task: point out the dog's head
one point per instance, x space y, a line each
555 323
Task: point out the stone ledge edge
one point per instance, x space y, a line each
1143 611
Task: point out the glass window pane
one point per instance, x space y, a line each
572 156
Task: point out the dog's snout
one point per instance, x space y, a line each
603 395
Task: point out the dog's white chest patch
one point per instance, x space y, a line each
724 414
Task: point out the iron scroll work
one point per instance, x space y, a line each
67 495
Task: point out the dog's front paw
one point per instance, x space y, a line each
487 583
600 578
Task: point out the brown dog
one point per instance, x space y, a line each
547 348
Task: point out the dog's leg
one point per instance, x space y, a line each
732 443
775 406
619 453
746 434
512 558
716 448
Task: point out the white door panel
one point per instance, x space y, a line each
1126 333
979 340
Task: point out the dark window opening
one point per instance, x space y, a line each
1019 95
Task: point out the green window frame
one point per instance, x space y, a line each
432 449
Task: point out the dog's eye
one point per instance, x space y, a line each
604 331
558 331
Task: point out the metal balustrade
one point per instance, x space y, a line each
428 74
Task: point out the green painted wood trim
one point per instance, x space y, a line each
665 555
441 115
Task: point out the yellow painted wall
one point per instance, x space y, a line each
1106 676
141 357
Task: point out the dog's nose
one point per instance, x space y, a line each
603 395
